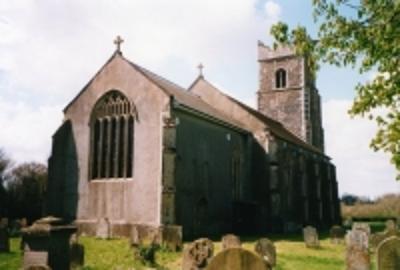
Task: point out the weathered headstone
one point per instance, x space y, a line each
172 237
357 255
4 240
388 254
362 226
390 225
77 255
337 234
48 236
24 222
103 228
310 237
237 259
266 249
230 241
197 255
35 259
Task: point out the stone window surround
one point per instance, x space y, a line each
283 82
113 117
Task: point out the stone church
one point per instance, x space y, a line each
140 152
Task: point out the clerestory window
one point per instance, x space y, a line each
112 135
280 78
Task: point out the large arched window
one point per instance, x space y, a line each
280 78
111 139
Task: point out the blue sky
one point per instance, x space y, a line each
50 49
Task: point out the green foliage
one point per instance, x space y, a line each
26 186
366 35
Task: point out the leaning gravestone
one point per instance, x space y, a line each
357 255
310 237
237 259
197 255
103 229
230 241
266 249
388 254
337 234
172 237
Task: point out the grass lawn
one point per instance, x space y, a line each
116 254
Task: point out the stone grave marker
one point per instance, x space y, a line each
50 236
388 254
172 237
230 241
266 249
337 234
24 222
3 222
310 237
357 255
197 255
35 259
77 255
103 229
4 240
390 225
362 226
237 259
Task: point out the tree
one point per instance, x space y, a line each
4 165
26 187
363 34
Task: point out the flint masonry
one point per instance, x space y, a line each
139 151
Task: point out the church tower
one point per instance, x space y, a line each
287 93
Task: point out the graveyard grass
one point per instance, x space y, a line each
116 254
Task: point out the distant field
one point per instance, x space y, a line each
116 254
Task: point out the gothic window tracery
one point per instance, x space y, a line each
111 139
280 78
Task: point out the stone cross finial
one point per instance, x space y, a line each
200 67
118 40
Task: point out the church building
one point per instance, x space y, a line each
143 154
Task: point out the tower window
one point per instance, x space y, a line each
112 135
280 78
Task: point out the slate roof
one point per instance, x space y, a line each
187 98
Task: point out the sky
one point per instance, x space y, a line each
50 49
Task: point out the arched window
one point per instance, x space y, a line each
111 137
280 78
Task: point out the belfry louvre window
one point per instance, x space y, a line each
112 135
280 78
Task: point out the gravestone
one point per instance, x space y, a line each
35 259
197 255
230 241
337 234
237 259
3 222
388 254
377 238
310 237
4 240
362 226
48 236
266 249
357 255
77 255
103 230
172 237
24 222
390 225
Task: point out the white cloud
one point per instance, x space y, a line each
26 131
272 9
360 171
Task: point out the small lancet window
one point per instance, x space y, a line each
112 136
280 78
